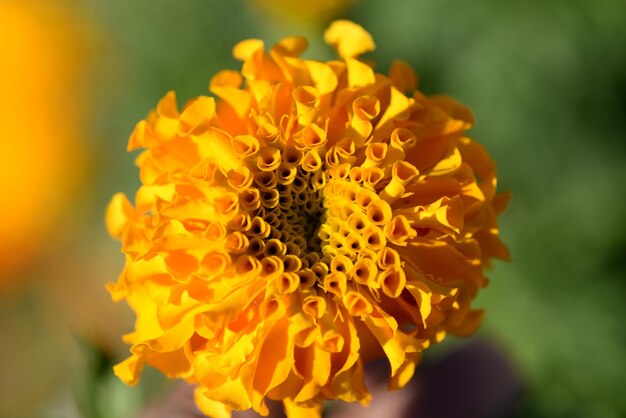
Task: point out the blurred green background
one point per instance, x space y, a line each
547 83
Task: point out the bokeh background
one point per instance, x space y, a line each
546 80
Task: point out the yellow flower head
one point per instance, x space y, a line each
40 154
312 216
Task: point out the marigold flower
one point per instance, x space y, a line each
41 157
313 216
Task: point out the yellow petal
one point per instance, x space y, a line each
323 76
130 369
119 212
349 39
274 363
359 74
231 394
384 329
291 46
294 410
174 364
403 376
402 76
245 49
209 407
199 111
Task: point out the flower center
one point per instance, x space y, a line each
290 211
306 213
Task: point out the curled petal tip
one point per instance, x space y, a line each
349 39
